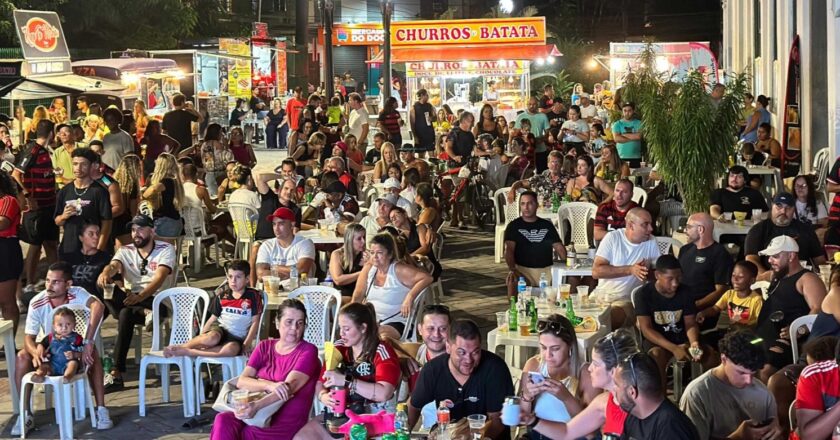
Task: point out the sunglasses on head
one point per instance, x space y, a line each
630 360
555 327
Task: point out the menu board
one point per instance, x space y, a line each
217 109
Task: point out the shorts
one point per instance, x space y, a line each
39 226
532 274
12 254
225 336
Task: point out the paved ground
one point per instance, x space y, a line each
475 289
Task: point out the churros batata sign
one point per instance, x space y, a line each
504 31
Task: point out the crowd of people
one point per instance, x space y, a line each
106 195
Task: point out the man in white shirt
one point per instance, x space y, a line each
358 121
287 249
587 109
59 291
623 262
117 143
145 266
394 187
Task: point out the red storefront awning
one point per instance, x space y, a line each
518 52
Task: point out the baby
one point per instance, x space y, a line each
63 347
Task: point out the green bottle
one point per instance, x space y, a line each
513 318
532 308
358 432
555 202
570 312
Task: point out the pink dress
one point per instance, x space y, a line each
275 367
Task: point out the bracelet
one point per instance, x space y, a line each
352 386
533 424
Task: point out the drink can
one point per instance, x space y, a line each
403 435
358 432
389 436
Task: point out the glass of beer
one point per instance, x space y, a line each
565 292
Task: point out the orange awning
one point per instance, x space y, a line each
474 53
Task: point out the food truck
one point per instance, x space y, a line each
154 80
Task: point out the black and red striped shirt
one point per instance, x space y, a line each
38 176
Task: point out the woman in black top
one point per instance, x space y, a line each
390 121
276 125
486 122
347 261
418 238
127 176
166 194
88 261
239 113
307 155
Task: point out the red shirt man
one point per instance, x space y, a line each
293 109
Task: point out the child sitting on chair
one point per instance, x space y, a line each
63 347
234 318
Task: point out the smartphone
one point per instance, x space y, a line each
536 377
7 166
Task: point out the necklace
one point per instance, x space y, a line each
78 194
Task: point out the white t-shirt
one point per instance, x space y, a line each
588 112
163 254
38 319
619 251
247 197
358 118
402 202
804 215
273 254
579 126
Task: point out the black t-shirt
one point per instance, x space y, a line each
557 118
744 200
534 242
96 207
703 268
235 115
373 155
666 423
176 124
761 234
666 314
268 204
167 201
86 269
254 102
424 133
483 393
463 143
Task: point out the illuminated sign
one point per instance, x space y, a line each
40 35
450 68
368 34
530 30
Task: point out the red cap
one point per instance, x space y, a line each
342 145
283 214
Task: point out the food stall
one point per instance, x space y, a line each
672 58
154 80
455 59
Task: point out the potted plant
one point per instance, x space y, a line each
690 137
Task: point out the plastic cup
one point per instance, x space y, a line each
565 291
271 285
583 294
501 321
727 216
240 399
108 291
756 214
476 422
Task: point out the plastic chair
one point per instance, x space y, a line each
807 321
409 333
821 167
501 207
231 365
639 196
665 244
322 304
195 232
65 391
184 302
244 227
578 215
171 281
437 251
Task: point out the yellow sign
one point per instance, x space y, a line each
497 32
456 68
239 72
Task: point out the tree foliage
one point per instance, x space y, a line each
687 134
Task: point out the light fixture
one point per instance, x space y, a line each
662 64
540 61
592 64
550 59
616 63
506 6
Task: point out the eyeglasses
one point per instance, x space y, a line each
802 186
555 327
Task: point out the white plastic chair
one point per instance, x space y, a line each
502 206
409 333
244 227
195 232
807 321
65 391
665 244
437 251
822 164
231 365
184 304
639 196
171 281
322 304
578 214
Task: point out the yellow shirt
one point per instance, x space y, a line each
741 311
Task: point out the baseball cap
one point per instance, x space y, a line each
390 198
784 198
782 243
391 183
342 145
283 214
143 221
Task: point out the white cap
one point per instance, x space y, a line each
390 198
782 243
391 183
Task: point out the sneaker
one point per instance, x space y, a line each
112 382
148 325
103 419
28 424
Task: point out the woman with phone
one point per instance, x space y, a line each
602 410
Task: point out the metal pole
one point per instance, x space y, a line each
387 10
327 16
259 11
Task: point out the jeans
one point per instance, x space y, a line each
168 227
276 138
127 318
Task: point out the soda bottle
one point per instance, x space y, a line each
293 277
328 281
555 202
571 256
107 363
520 287
400 419
543 287
533 311
358 432
513 316
570 311
443 416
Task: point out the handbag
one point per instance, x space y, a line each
260 420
